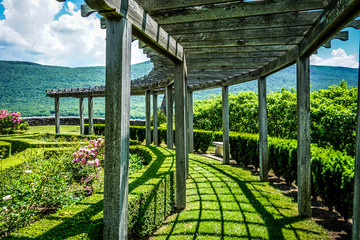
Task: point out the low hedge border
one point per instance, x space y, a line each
5 149
151 199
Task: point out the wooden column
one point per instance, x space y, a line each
263 141
225 123
190 122
180 134
155 121
57 115
117 128
91 115
303 136
148 117
81 106
356 209
169 118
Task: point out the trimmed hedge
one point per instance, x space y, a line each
202 140
5 149
151 199
332 171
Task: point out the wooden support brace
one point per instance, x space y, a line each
356 208
148 117
91 115
117 128
57 115
225 123
180 134
155 121
263 141
169 118
81 106
303 136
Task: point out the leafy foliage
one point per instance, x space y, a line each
332 111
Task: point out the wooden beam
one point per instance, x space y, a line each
180 134
263 141
148 117
237 10
216 55
240 49
117 127
57 115
155 121
81 108
144 27
356 203
169 117
335 18
253 22
160 5
280 32
343 36
354 24
225 124
303 137
188 46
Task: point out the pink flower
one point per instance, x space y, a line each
91 162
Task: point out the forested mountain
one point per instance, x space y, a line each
22 84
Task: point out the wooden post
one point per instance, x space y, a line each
190 122
169 118
117 128
81 106
225 123
155 121
91 115
356 209
148 117
57 115
180 134
303 136
263 141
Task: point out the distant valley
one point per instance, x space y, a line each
22 84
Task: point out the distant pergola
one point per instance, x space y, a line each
202 44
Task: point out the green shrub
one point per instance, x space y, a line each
162 135
202 140
99 129
244 148
133 133
140 133
5 149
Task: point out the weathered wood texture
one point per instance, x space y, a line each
155 121
180 134
81 109
57 114
117 127
356 204
169 118
144 27
225 124
148 117
236 10
303 136
91 114
190 122
263 141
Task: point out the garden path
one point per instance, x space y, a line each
228 202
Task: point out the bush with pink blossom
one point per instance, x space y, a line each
11 122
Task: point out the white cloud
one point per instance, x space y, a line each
30 32
339 58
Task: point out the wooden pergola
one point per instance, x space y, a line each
201 44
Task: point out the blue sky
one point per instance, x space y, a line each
53 33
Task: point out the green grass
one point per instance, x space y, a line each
227 202
67 129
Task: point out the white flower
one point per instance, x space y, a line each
8 197
28 171
5 209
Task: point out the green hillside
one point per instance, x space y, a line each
22 84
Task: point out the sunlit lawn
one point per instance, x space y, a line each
227 202
68 129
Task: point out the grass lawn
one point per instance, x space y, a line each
227 202
69 129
